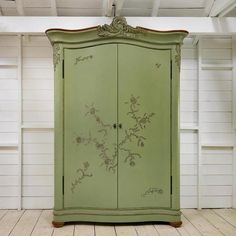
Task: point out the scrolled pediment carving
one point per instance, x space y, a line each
118 28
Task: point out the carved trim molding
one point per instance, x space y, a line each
118 27
178 56
56 55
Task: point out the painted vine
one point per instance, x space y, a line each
107 154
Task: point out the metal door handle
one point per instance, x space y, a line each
114 126
120 126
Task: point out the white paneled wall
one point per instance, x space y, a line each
206 123
37 115
216 83
8 122
189 123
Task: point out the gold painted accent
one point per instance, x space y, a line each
118 27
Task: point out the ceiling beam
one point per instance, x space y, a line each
54 8
155 7
20 7
195 25
208 7
5 4
227 10
220 7
107 7
104 7
119 6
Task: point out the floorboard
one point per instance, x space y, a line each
188 229
125 230
206 222
44 225
105 230
166 230
146 230
222 225
2 213
26 224
84 230
66 230
9 221
203 225
228 214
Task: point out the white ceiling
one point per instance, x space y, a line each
175 8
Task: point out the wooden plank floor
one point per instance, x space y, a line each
214 222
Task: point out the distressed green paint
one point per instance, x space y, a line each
107 180
175 129
137 75
58 124
90 111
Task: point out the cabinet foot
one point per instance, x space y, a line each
57 224
176 224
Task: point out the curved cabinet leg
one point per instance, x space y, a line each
176 224
57 224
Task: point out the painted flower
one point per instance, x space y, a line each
92 111
86 165
78 139
132 163
107 161
143 120
99 145
133 100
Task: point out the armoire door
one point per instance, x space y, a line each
144 139
90 140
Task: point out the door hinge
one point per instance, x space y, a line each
170 185
63 69
63 185
171 69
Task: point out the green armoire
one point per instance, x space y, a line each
116 124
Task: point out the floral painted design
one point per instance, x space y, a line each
82 173
107 161
134 134
151 191
92 111
107 152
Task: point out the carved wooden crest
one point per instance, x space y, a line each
118 27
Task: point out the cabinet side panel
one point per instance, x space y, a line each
175 127
58 134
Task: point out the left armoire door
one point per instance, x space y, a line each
90 133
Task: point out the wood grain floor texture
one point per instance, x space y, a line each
214 222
